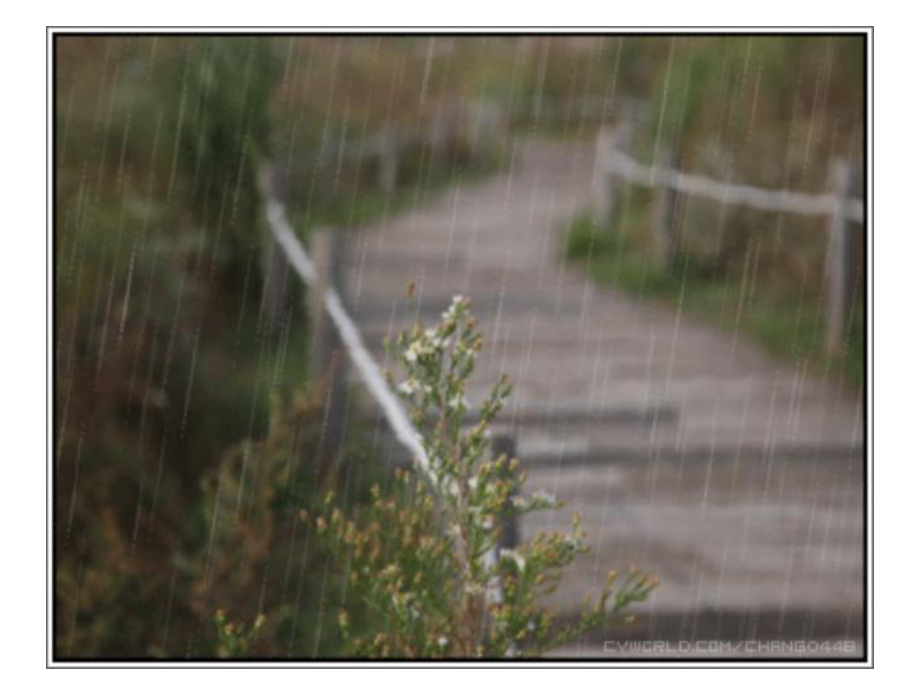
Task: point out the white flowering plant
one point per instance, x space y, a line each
425 558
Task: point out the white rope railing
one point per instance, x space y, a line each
395 413
781 200
300 261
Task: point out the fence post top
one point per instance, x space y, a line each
504 444
271 181
840 172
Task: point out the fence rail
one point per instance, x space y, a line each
838 205
620 165
348 331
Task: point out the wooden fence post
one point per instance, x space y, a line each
602 187
838 265
665 214
275 269
605 186
389 163
486 130
508 535
328 359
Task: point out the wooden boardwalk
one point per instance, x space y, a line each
735 478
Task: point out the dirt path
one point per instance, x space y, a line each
737 479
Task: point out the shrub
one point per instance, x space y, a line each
255 556
425 560
217 97
235 639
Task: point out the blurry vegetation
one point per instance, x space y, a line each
217 95
178 481
772 112
235 639
256 558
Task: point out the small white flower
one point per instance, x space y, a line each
408 387
540 500
542 497
442 642
512 555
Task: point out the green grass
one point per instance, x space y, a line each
785 325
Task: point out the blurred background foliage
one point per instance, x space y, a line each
185 436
